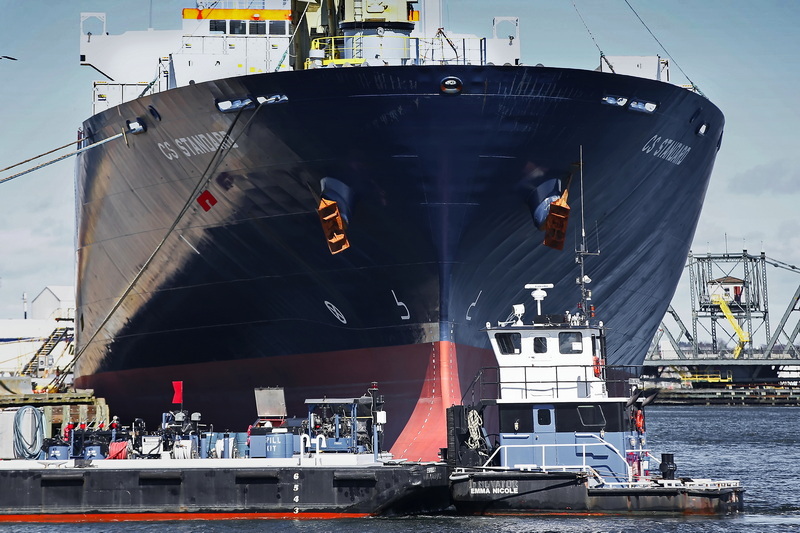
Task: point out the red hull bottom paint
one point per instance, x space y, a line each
156 517
418 381
426 430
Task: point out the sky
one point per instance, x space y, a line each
743 56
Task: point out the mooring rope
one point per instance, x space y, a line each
602 55
56 160
37 156
222 151
694 86
663 48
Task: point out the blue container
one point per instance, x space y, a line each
226 446
297 443
242 449
58 453
277 446
289 445
93 452
204 441
258 446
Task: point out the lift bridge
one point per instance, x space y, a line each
729 304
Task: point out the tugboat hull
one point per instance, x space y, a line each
534 493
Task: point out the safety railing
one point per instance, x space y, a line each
235 4
555 381
715 377
246 46
395 50
584 466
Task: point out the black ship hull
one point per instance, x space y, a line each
438 191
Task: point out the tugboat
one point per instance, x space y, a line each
570 431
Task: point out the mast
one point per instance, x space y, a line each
580 254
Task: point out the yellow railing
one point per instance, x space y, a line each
709 378
395 50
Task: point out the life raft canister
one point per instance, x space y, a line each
597 364
639 421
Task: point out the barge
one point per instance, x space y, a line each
327 465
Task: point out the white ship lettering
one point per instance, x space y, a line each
192 145
667 149
167 150
495 487
505 490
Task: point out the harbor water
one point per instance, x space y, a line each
758 445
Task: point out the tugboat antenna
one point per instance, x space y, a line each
583 214
583 280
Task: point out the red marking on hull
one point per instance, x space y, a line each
177 387
206 200
153 517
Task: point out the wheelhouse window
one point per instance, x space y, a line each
591 416
570 342
219 26
515 419
238 27
277 27
509 343
540 345
543 417
587 417
258 27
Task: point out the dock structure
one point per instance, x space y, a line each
731 395
78 397
61 408
745 361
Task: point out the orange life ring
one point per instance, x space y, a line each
597 364
639 421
